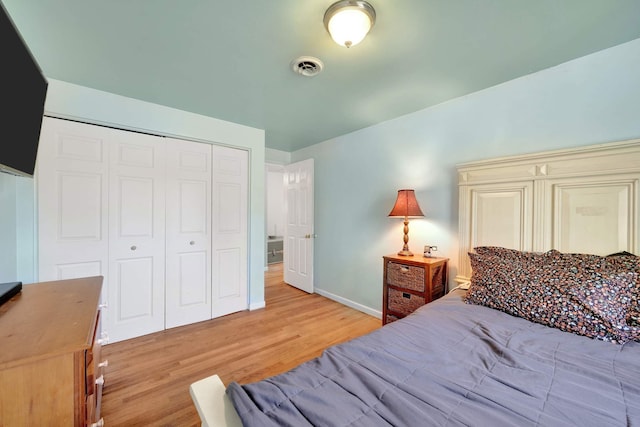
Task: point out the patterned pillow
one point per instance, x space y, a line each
625 261
497 282
572 292
617 263
509 254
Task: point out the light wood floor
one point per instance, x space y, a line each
147 379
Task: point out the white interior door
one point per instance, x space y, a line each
136 235
188 227
230 232
299 234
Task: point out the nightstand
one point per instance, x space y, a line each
410 282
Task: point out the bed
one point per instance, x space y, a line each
538 337
454 363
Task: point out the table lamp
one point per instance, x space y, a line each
406 206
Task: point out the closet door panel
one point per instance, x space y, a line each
229 219
136 235
229 267
134 288
188 255
593 215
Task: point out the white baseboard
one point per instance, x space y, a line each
357 306
257 305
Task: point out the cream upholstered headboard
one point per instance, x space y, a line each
583 200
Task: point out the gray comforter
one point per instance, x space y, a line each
451 364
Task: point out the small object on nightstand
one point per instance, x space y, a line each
428 250
411 282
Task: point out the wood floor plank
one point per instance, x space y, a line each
147 379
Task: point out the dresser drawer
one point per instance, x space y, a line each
405 276
403 302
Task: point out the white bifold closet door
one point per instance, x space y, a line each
136 234
72 195
188 262
229 219
163 220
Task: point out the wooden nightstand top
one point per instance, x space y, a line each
417 259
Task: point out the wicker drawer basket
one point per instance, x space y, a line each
403 302
405 276
391 318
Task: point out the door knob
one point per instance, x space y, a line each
192 242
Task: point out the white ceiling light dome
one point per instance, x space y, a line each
349 21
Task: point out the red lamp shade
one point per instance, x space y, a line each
406 206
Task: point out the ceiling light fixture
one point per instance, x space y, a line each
349 21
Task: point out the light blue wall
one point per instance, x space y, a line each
17 229
8 253
590 100
81 103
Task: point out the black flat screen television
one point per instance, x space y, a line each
23 89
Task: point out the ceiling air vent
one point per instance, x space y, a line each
307 66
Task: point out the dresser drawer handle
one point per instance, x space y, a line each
104 338
99 423
406 295
404 269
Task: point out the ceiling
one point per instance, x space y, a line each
232 59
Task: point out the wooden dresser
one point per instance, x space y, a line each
50 368
410 282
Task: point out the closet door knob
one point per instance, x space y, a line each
192 242
134 247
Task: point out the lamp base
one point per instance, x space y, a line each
405 253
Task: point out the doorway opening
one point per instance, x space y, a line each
275 227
